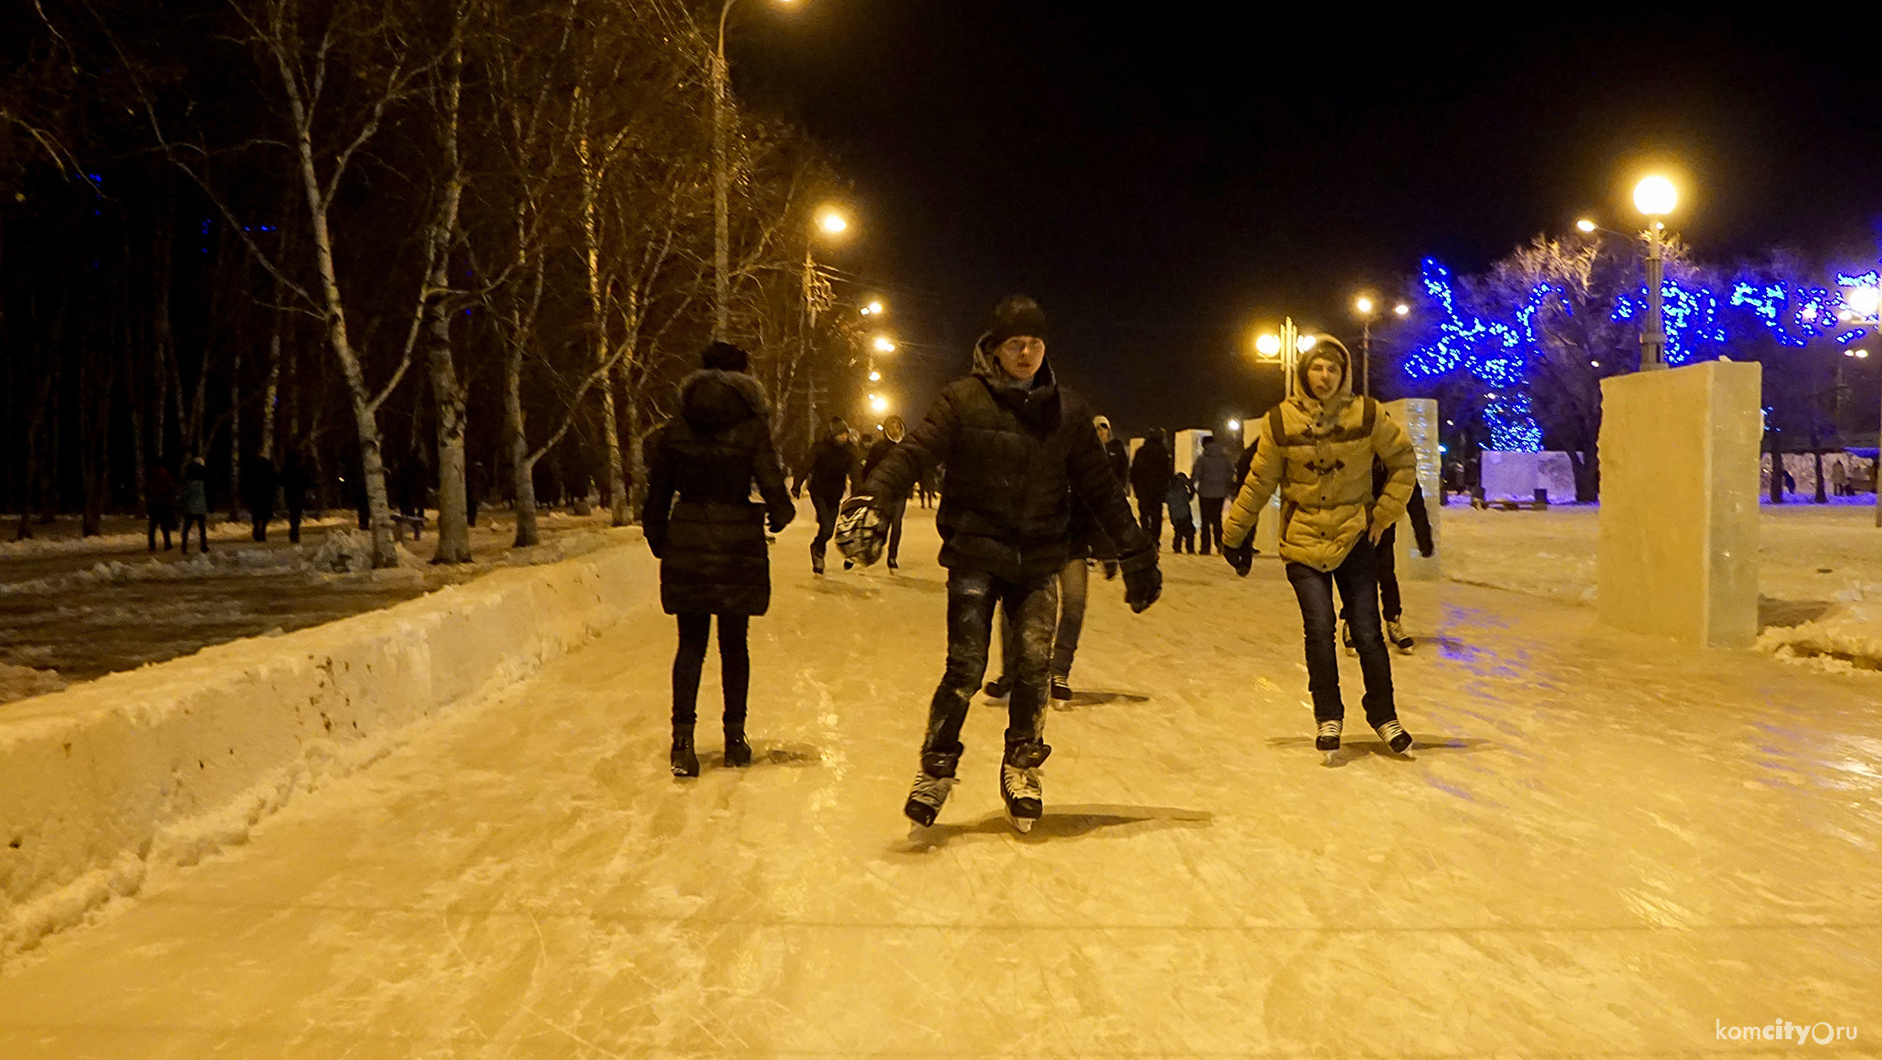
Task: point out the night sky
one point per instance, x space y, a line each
1164 180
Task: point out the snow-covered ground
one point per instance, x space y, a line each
74 608
1603 848
1819 576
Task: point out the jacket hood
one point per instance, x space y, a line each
712 400
1341 394
987 367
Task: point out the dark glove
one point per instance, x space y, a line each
658 543
1241 557
1110 569
781 518
1142 587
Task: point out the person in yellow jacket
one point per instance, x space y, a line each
1318 449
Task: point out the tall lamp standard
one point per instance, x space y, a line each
721 184
1655 197
830 222
1865 310
1365 308
1286 348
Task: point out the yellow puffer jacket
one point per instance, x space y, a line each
1323 466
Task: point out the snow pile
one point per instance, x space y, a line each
23 682
165 764
1847 638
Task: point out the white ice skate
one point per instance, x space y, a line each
926 798
1019 784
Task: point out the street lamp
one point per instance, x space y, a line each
884 344
1285 347
721 184
1655 197
1864 302
1364 306
1586 225
873 309
830 221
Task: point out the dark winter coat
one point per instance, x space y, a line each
193 497
162 495
1151 470
882 448
711 542
828 471
1414 508
258 484
295 482
1015 455
1120 455
1214 473
1176 498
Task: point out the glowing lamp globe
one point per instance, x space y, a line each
1268 345
883 345
1235 425
1864 300
1655 196
831 221
1305 343
875 377
879 403
1401 309
1363 304
1585 225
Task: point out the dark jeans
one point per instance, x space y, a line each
262 517
827 511
895 529
1032 612
734 667
1150 517
201 522
1074 591
1182 536
1385 565
1360 594
1211 508
161 519
294 526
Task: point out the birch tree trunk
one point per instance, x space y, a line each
447 390
598 322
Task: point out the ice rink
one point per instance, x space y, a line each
1601 847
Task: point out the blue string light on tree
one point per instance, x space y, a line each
1493 352
1690 314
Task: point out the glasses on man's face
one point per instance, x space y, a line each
1015 346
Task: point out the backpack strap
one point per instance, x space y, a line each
1277 428
1369 417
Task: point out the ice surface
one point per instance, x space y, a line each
1604 847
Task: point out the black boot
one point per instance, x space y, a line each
737 751
684 761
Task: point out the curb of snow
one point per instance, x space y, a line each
103 783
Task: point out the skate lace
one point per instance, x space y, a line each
932 791
1391 730
1021 782
1329 728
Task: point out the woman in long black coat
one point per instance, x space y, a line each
711 542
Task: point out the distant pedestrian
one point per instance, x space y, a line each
1150 481
711 540
1839 479
1182 524
295 482
1114 450
193 500
827 472
160 500
258 482
1214 481
893 431
1318 448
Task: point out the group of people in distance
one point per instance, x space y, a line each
1032 485
166 499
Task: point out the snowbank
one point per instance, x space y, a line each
162 765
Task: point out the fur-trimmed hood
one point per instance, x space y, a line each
712 400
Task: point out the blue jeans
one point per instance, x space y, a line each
1032 613
1359 591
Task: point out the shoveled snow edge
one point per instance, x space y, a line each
164 765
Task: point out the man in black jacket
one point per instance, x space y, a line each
893 431
1017 447
828 472
1151 471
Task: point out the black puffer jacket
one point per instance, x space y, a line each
1015 457
827 471
711 544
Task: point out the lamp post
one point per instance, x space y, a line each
721 184
1865 310
1286 348
1655 197
830 222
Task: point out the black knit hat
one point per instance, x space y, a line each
725 357
1015 315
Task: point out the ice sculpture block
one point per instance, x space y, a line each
1679 503
1420 417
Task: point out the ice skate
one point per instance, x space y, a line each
737 751
1061 689
999 689
1395 635
1394 736
1328 738
932 784
684 761
1346 638
816 561
1019 784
